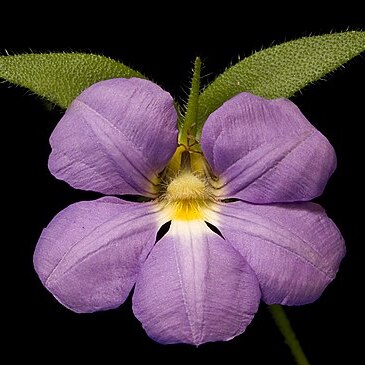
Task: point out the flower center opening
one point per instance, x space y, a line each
186 190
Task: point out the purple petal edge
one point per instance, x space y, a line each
109 139
294 249
266 151
89 256
195 288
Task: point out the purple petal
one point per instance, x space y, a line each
89 255
115 138
266 151
195 288
294 249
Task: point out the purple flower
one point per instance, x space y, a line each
262 160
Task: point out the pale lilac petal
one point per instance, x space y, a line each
115 138
266 151
195 288
294 249
90 254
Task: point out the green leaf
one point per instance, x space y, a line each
282 70
60 77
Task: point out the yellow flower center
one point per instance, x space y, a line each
186 189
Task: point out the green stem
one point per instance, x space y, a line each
188 129
287 331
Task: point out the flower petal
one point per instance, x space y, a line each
89 255
115 138
195 288
294 249
266 151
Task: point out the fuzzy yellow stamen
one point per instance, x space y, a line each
186 192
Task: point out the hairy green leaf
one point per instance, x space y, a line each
60 77
282 70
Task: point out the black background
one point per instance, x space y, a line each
31 196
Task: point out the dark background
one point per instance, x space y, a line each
36 321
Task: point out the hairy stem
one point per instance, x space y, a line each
188 130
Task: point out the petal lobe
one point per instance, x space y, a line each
266 151
115 138
195 288
90 254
